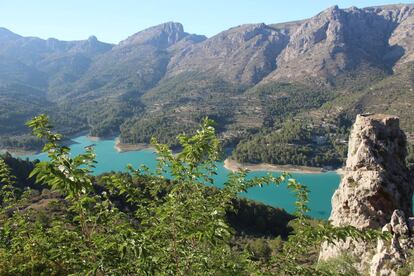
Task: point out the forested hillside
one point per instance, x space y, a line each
251 79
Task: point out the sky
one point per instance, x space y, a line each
114 20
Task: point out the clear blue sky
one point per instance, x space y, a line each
114 20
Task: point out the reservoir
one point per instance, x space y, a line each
321 185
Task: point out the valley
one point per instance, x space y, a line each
283 94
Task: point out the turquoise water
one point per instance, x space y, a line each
322 186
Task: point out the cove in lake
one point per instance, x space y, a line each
321 185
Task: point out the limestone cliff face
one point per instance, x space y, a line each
375 192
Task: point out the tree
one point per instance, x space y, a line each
179 230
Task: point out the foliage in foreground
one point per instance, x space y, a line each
181 232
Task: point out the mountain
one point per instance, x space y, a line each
65 60
336 41
136 63
242 54
254 80
112 86
35 71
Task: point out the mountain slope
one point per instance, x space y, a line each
243 54
336 41
252 79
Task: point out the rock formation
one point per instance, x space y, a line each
375 192
160 36
389 257
376 180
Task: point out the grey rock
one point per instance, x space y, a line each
376 180
375 193
389 258
244 54
160 36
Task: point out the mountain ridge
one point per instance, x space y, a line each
249 78
169 33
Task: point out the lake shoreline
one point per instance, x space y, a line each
66 141
321 185
122 147
18 152
233 165
229 164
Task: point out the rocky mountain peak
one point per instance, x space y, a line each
7 34
163 35
172 27
90 46
331 10
92 39
318 42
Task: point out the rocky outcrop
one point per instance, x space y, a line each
160 36
375 192
389 257
245 54
376 180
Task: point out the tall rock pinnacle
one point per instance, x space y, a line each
376 180
375 192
